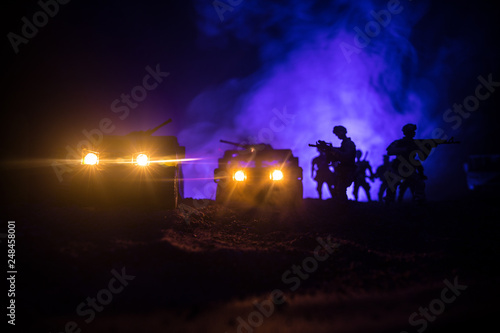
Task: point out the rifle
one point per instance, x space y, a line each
437 142
426 145
322 146
328 149
423 147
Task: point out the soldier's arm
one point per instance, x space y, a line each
372 175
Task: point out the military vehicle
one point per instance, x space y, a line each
258 175
135 169
483 173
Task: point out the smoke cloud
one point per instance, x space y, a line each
321 64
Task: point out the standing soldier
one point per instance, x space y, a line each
345 167
321 165
360 176
406 150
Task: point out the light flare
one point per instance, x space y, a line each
91 159
240 176
142 160
276 175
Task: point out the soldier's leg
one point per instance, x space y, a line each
336 185
412 184
419 190
381 191
319 188
390 193
393 180
338 189
330 187
344 183
402 189
355 191
366 187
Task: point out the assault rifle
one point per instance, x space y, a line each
327 148
322 146
422 146
437 142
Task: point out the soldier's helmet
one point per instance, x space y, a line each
339 129
409 129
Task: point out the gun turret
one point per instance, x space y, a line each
149 132
234 144
251 148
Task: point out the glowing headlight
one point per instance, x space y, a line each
91 159
142 160
239 176
276 175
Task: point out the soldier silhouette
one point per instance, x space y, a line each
344 158
321 166
406 151
360 176
379 173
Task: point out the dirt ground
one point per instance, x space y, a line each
322 267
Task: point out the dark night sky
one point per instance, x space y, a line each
65 78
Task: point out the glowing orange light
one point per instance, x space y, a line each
142 160
240 176
91 159
276 175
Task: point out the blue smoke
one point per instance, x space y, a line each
321 63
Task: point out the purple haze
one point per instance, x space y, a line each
306 74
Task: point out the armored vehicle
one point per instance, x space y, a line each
135 169
483 173
258 174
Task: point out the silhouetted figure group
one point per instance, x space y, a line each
404 172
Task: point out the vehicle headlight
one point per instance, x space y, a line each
276 175
240 176
142 160
91 159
